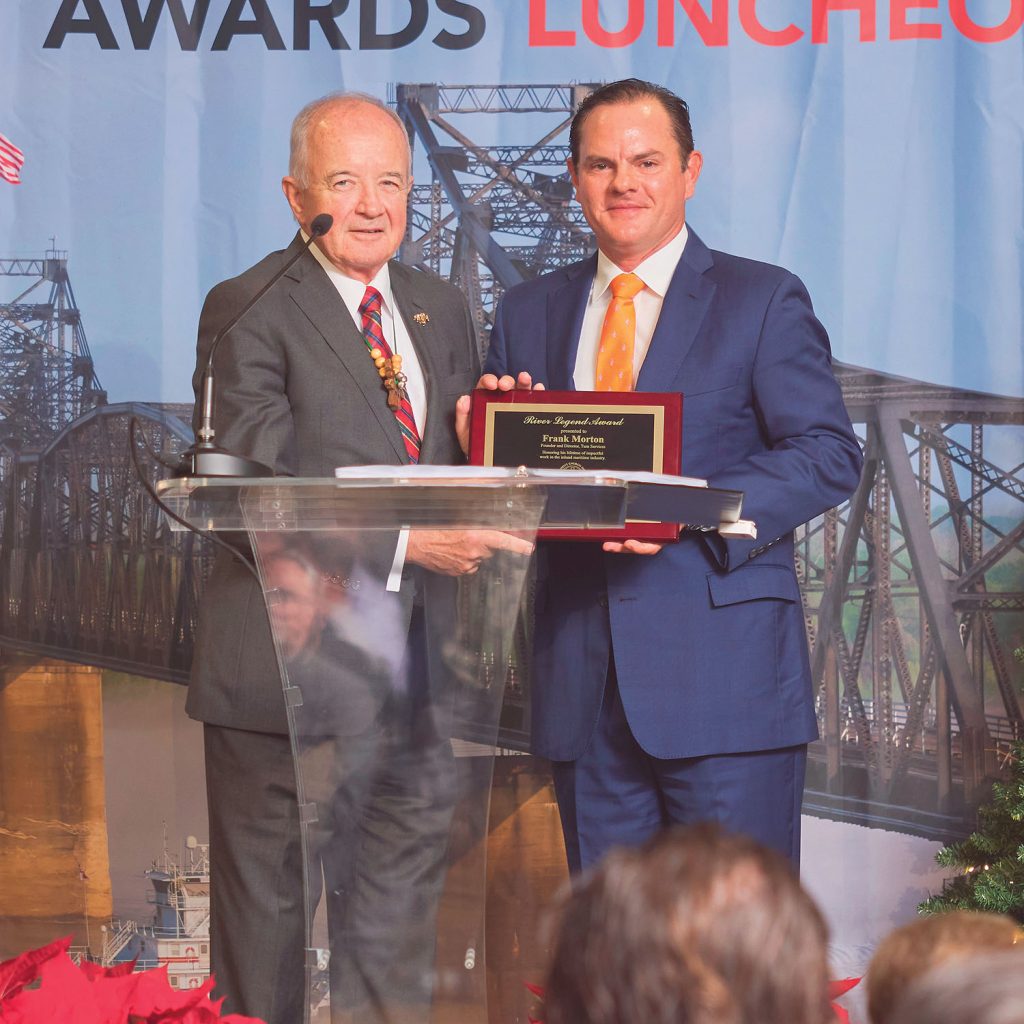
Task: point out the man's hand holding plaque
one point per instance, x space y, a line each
510 421
488 382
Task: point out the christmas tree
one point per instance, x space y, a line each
990 860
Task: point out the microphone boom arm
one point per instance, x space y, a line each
205 458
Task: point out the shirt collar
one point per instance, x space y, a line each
656 271
351 290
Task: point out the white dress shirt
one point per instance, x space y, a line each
656 273
396 334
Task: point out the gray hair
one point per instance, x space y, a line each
298 159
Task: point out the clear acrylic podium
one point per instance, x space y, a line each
393 680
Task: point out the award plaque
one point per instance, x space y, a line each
594 430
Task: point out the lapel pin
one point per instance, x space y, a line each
421 318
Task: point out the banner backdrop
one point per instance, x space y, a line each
874 148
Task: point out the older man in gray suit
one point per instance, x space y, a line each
300 389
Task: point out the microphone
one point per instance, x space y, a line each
205 457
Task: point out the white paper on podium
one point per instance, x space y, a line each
428 472
655 497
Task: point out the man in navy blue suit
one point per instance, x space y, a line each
672 683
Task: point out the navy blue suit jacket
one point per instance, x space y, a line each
708 635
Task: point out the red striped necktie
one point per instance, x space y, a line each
373 335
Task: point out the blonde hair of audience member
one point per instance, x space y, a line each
979 988
695 927
911 951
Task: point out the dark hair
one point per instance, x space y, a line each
694 927
914 949
629 90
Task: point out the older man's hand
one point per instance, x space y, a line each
460 552
489 382
523 382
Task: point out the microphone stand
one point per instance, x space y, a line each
206 457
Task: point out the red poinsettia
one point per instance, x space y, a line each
91 994
840 988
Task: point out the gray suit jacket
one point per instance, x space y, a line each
297 391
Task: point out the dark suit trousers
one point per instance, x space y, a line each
257 924
617 794
384 801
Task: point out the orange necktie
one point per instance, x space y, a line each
618 335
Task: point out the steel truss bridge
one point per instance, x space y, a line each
913 591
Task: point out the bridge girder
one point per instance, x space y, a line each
91 572
47 378
914 597
482 200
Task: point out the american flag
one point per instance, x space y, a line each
11 159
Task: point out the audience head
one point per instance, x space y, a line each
295 602
696 926
916 948
979 988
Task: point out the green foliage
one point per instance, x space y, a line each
991 860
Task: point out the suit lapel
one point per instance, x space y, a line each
682 313
567 305
319 300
